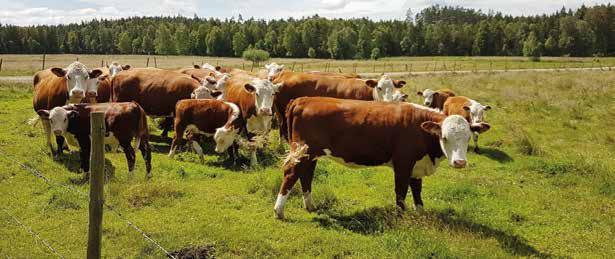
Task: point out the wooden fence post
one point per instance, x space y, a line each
43 66
301 67
293 68
374 67
155 63
1 64
102 63
97 168
147 62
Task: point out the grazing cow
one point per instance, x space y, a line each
156 90
471 110
123 122
410 138
57 87
435 99
216 118
254 96
305 84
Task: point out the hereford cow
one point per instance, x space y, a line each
115 68
435 99
58 86
216 118
123 122
410 138
297 85
156 90
471 110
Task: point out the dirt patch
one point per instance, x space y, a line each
199 252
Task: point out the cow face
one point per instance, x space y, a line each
77 77
398 96
224 138
115 68
454 134
205 89
273 69
476 111
384 89
221 84
428 94
58 119
263 91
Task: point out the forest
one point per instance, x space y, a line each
433 31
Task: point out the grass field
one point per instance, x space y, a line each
544 186
18 65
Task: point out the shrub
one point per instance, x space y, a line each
375 53
256 56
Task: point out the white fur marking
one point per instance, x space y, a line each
279 205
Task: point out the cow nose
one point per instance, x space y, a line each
77 93
92 94
459 163
57 132
266 111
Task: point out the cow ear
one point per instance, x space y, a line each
44 114
197 66
466 108
126 67
399 83
480 127
215 94
197 79
371 83
94 73
249 88
432 128
218 68
487 108
419 93
59 72
404 97
72 115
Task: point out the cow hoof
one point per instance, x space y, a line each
278 214
419 208
148 176
401 205
476 150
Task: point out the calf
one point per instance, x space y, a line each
410 138
435 99
471 110
123 122
216 118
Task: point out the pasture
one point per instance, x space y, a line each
543 186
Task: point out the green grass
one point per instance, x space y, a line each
544 186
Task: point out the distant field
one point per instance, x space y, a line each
28 64
544 186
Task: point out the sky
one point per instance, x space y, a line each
33 12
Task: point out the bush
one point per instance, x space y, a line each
256 56
311 53
375 53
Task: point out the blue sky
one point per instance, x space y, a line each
28 12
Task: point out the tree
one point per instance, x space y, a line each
240 43
341 43
292 42
147 44
532 48
164 44
74 46
311 53
256 56
375 54
136 45
551 46
124 43
363 44
215 42
182 40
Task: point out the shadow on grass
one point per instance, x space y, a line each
72 162
376 220
496 154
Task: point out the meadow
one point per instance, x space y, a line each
543 186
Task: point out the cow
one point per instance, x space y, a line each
254 96
156 90
59 86
410 138
297 84
435 99
470 109
123 123
340 74
115 68
216 118
273 69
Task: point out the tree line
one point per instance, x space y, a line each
436 30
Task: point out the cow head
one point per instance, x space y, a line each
476 111
224 138
398 96
207 86
115 68
384 89
77 76
454 134
273 69
221 84
428 94
59 118
263 91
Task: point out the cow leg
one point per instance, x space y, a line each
403 171
167 125
130 157
416 185
197 148
475 137
47 129
177 139
291 175
146 152
306 185
253 158
60 147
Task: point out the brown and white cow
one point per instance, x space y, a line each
115 67
104 81
435 99
470 109
156 90
297 85
123 123
410 138
216 118
59 86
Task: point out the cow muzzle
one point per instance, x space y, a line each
91 94
459 163
57 132
76 93
266 111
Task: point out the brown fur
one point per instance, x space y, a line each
49 90
455 104
236 93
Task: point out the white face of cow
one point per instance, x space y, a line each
398 96
221 84
58 119
115 68
477 111
263 91
273 69
224 138
384 89
78 80
428 95
454 134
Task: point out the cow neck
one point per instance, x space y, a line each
79 125
423 114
